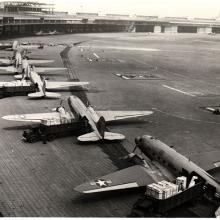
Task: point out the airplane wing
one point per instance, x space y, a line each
10 69
119 115
57 85
34 62
37 118
207 160
48 69
13 83
5 61
131 177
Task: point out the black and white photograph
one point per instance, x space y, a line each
110 108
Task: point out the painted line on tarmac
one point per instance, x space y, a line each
180 91
96 55
185 118
124 48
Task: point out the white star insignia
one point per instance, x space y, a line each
101 183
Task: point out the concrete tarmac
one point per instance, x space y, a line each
182 75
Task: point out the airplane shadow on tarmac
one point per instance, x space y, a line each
127 122
17 128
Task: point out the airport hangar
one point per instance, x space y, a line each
21 18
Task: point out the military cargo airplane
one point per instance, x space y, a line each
5 46
17 60
41 85
25 68
96 119
169 163
16 46
214 110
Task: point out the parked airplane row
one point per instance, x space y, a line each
28 77
164 162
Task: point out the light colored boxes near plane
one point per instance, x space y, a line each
154 191
173 186
168 191
55 121
162 190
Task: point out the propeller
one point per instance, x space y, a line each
60 106
135 148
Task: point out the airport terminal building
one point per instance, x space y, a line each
19 18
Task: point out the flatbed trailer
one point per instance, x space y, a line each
151 207
51 132
17 90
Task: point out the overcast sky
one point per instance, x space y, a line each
189 8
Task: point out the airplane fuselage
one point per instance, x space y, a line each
78 107
174 161
36 79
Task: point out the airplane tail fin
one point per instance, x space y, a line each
44 86
14 45
101 126
51 95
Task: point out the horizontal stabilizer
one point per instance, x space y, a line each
113 136
94 137
52 95
132 177
88 137
36 95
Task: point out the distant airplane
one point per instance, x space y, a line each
41 85
17 60
16 46
5 46
170 163
24 67
96 119
41 33
214 110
